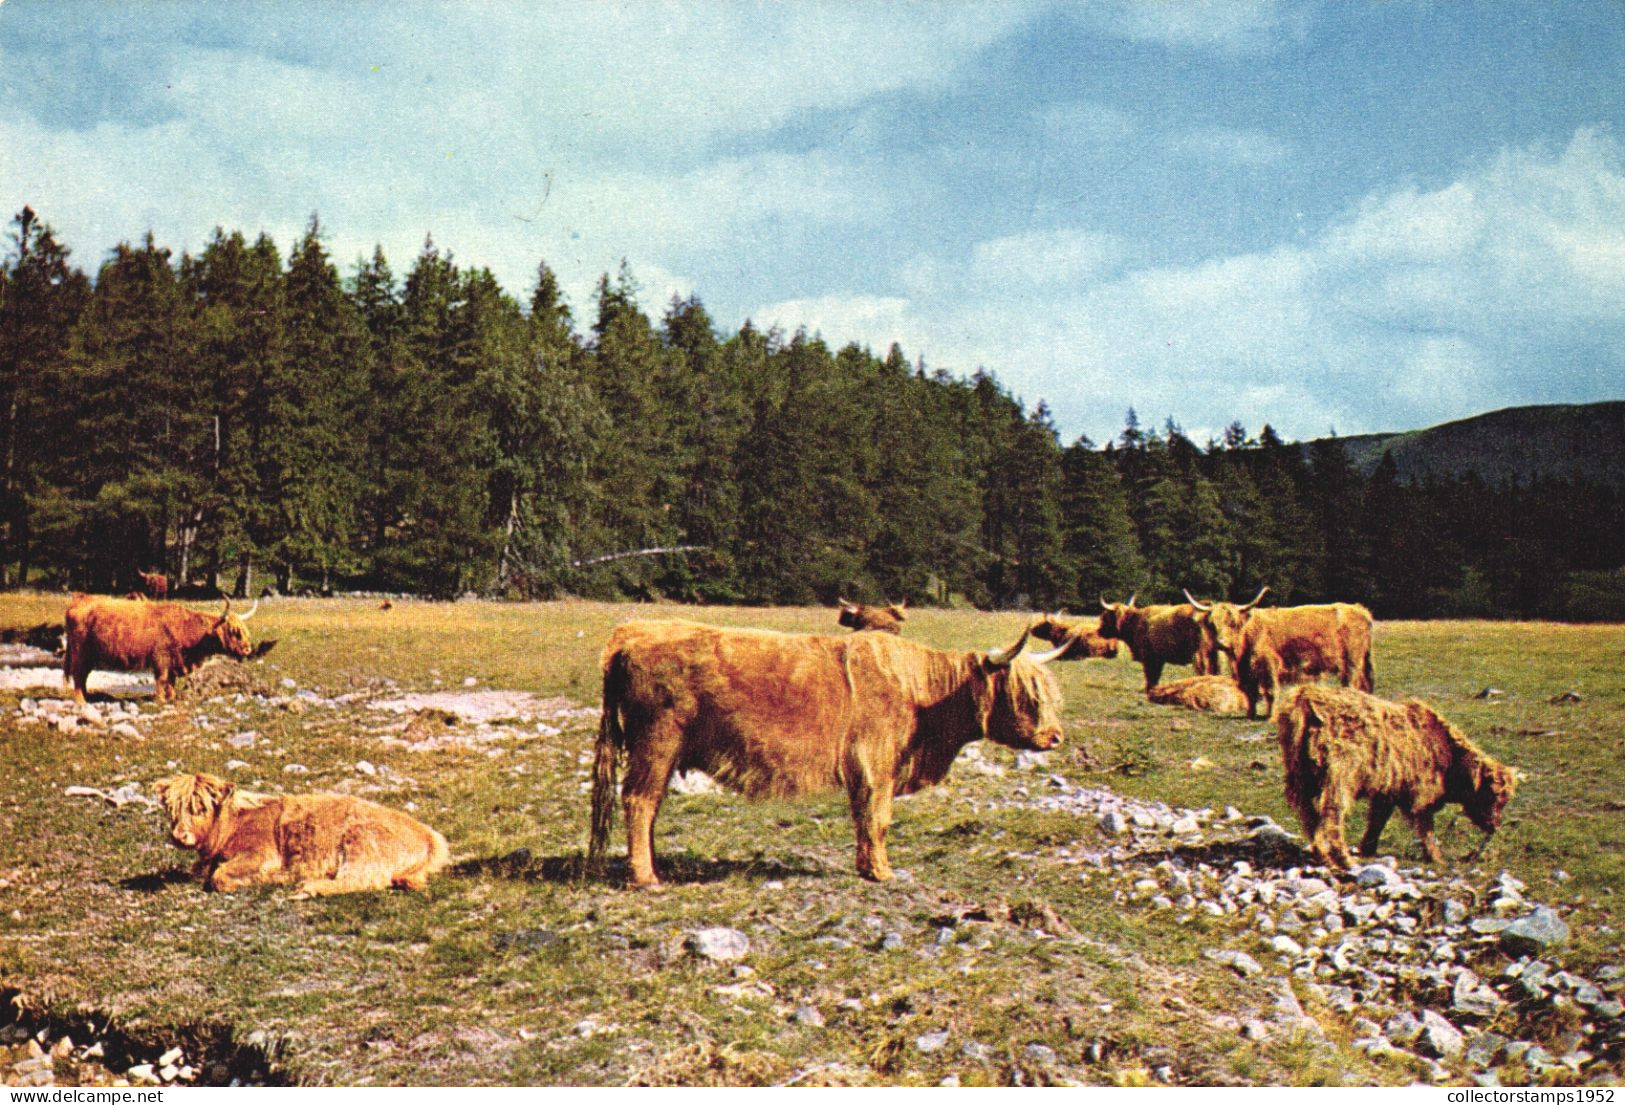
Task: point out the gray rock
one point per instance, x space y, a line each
1484 1048
1241 962
1375 874
1608 1010
931 1041
1185 826
1114 822
1439 1038
1285 945
1402 1028
809 1016
975 1051
892 941
1039 1053
126 730
720 945
1489 926
1454 912
1535 933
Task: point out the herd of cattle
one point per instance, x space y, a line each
872 713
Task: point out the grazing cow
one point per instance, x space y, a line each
1215 694
779 715
164 637
1339 745
1159 635
155 585
880 619
1292 644
1082 642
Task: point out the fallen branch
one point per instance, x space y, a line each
638 552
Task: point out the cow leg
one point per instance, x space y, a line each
1422 822
1153 673
649 765
245 870
1328 842
871 818
1376 819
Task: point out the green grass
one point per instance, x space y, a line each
514 970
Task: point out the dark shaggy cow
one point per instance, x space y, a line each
879 619
1292 644
778 715
1082 642
165 638
1339 745
155 585
1159 635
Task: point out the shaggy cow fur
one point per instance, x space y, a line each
326 843
1292 644
879 619
1082 642
1216 694
1160 635
165 638
1339 745
780 715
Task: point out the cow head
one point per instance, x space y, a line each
1025 711
1225 620
231 634
1482 784
885 619
193 803
1117 617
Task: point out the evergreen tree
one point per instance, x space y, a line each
41 298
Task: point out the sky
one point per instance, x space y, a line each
1327 216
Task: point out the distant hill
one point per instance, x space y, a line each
1583 441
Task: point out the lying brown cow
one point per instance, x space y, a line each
879 619
1214 694
1339 745
1292 644
1082 642
326 843
1159 635
778 715
165 638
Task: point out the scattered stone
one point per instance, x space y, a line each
1439 1039
1490 692
367 768
891 942
976 1051
1375 874
720 945
931 1041
1535 933
295 769
1454 913
1114 822
1484 1048
1566 698
1039 1053
1402 1028
172 1056
1240 962
809 1016
1285 945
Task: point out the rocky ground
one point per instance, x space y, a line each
1452 977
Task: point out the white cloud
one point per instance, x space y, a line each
1228 26
1500 288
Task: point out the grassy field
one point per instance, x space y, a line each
513 969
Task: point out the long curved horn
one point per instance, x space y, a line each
1198 604
1131 598
1104 605
1001 657
842 602
1262 592
251 609
1052 654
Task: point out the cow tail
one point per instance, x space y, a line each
611 739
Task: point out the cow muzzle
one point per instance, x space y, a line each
1047 738
183 838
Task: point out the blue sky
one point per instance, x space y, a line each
1360 216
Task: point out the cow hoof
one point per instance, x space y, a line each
653 886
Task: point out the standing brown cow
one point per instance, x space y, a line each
1341 745
166 638
1082 642
879 619
1292 644
779 715
1159 635
155 585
